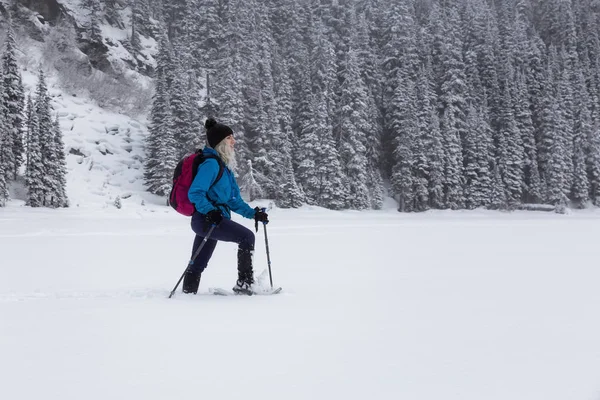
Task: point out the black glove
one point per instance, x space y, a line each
213 217
260 216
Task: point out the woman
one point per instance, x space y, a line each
214 203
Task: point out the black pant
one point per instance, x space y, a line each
227 231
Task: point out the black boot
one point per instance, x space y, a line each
245 272
191 281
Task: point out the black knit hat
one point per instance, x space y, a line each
216 132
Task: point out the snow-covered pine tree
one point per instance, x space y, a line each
556 170
370 70
4 195
29 131
436 162
330 191
13 97
593 163
429 152
509 151
7 159
210 33
230 98
253 99
269 160
140 15
404 126
484 150
487 49
354 128
532 191
498 193
476 171
187 138
161 148
59 172
306 156
94 13
174 15
589 42
34 173
566 118
45 133
536 78
248 185
398 52
324 72
453 93
112 13
290 194
580 192
5 156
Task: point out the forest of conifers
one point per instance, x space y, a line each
338 103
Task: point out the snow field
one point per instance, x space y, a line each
376 305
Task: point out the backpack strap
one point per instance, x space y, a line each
221 169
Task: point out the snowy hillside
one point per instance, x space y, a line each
104 152
104 146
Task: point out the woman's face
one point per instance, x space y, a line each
230 141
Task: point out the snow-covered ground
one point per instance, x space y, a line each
376 305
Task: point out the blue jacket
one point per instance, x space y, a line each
224 195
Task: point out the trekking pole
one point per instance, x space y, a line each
192 260
268 256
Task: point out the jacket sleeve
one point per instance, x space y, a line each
206 175
238 205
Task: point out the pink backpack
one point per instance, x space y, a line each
184 175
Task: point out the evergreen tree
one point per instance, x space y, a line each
404 126
566 119
13 99
4 195
59 171
45 135
531 175
399 61
6 155
231 101
353 130
509 150
554 141
593 164
185 125
453 93
111 12
478 143
161 147
94 12
174 16
330 191
289 194
29 129
497 194
34 174
306 156
249 186
429 138
140 15
536 79
581 131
